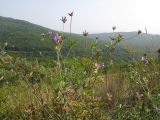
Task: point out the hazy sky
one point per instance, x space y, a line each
92 15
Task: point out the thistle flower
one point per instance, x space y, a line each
99 65
64 19
57 38
139 32
85 33
113 28
70 14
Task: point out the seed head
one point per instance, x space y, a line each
85 33
70 14
64 19
114 28
139 32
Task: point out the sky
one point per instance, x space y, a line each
95 16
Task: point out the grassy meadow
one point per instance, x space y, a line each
94 84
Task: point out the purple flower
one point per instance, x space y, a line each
64 19
57 38
99 65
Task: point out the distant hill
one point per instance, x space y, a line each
25 36
139 43
21 35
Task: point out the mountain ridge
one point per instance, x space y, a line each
25 36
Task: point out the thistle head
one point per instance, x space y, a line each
99 65
139 32
64 19
70 14
57 38
85 33
114 28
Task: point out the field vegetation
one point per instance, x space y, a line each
92 85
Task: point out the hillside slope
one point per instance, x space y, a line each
25 36
141 43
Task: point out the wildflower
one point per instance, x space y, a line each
85 33
57 38
139 32
64 19
99 65
70 14
113 28
144 58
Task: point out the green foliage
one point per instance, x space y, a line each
23 36
74 88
